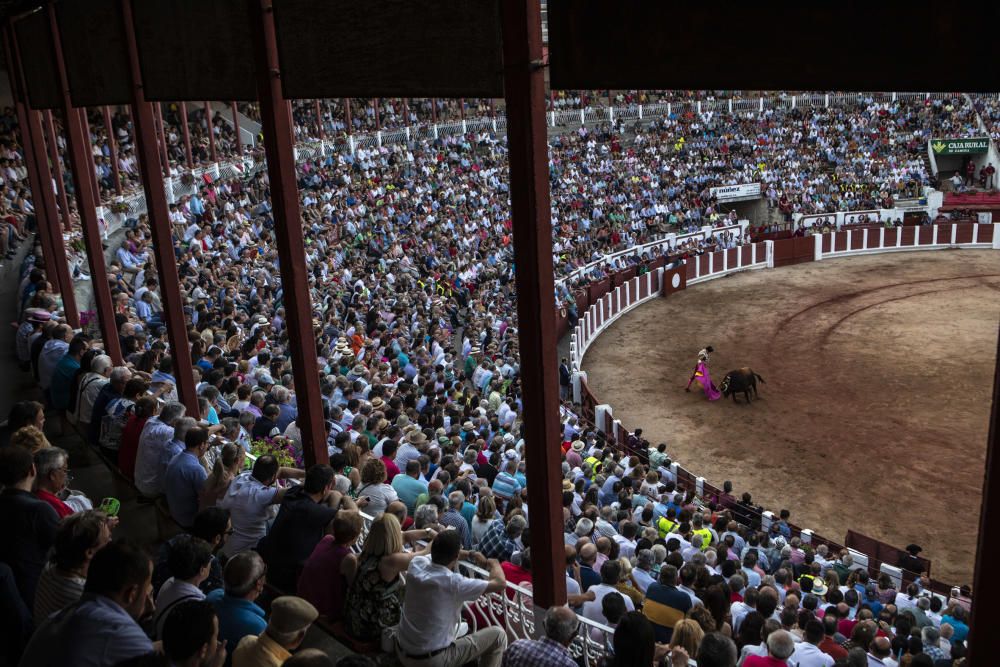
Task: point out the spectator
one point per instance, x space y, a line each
610 576
560 629
158 444
102 627
78 538
146 407
432 610
375 596
239 615
290 619
716 650
228 464
190 559
688 635
313 657
249 499
330 569
501 541
409 485
52 467
191 636
780 646
664 604
374 488
27 523
60 389
305 513
956 619
185 477
634 641
807 653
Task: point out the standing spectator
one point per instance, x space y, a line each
287 627
189 560
249 499
239 615
78 538
191 636
330 569
27 523
185 478
102 627
433 606
305 512
560 627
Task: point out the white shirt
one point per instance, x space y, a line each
433 605
379 496
592 609
249 503
173 590
809 655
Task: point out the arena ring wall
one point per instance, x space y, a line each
603 303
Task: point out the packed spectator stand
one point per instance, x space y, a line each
409 253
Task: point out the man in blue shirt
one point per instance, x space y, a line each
185 476
239 615
65 372
102 627
409 485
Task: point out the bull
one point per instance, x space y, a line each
742 380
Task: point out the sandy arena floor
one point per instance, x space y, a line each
875 414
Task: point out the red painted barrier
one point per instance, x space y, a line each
985 234
692 268
858 240
963 233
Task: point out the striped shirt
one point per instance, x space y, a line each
55 591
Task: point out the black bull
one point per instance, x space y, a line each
742 380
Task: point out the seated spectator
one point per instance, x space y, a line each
23 413
634 642
158 444
189 560
146 407
213 526
433 607
191 636
249 499
239 615
30 438
716 650
78 538
780 646
375 597
688 635
552 650
185 476
374 488
330 569
409 485
290 619
610 576
665 604
807 653
102 627
52 466
501 541
64 373
305 512
956 616
229 463
27 523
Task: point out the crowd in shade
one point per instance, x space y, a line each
411 279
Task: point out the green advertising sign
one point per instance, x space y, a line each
960 146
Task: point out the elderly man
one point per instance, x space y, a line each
159 442
665 604
780 646
501 541
51 464
452 518
552 650
435 595
290 619
239 615
89 387
52 352
110 391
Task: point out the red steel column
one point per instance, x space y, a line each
434 110
39 178
378 115
986 586
461 108
236 128
186 135
89 145
113 148
81 167
276 122
524 88
51 137
156 206
319 119
161 146
211 133
347 115
406 112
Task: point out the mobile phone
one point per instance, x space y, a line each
110 506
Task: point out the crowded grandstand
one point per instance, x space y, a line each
411 545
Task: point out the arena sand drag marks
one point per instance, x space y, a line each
874 417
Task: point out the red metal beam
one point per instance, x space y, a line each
986 586
276 123
434 110
40 181
89 148
211 133
406 112
160 130
378 115
236 128
159 221
113 148
56 266
461 108
187 136
524 86
347 115
81 164
49 128
319 119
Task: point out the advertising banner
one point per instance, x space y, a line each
960 146
730 193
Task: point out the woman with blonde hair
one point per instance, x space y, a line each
29 437
688 635
375 596
486 513
228 464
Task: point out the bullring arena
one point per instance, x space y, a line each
875 410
